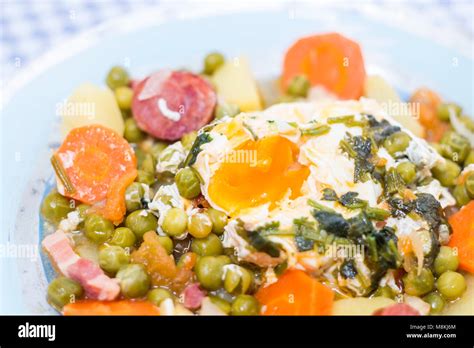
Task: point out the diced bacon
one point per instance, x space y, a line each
97 285
397 309
59 248
193 296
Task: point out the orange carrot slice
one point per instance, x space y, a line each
463 236
296 293
95 167
123 307
330 60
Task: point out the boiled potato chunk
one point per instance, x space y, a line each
360 305
377 88
90 104
465 305
235 84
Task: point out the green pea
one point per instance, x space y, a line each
384 291
207 246
469 184
167 243
435 301
62 291
469 159
157 149
134 281
418 284
467 121
438 147
397 142
140 155
148 164
141 221
112 258
226 109
126 114
209 271
223 305
407 171
212 62
124 96
287 99
188 139
446 172
145 177
451 285
131 132
200 225
117 77
245 305
133 196
455 147
299 86
55 207
444 111
175 222
123 237
446 260
156 296
237 279
97 228
82 210
218 219
461 195
188 183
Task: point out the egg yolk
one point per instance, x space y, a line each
257 172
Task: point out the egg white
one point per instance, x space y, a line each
329 166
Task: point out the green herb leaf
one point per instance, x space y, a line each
201 139
350 200
62 175
316 131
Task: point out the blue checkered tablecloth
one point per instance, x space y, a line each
28 28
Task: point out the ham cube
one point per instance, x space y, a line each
97 285
193 296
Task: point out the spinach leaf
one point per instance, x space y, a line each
350 200
348 269
263 244
306 234
359 148
201 139
330 195
380 130
332 222
428 207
